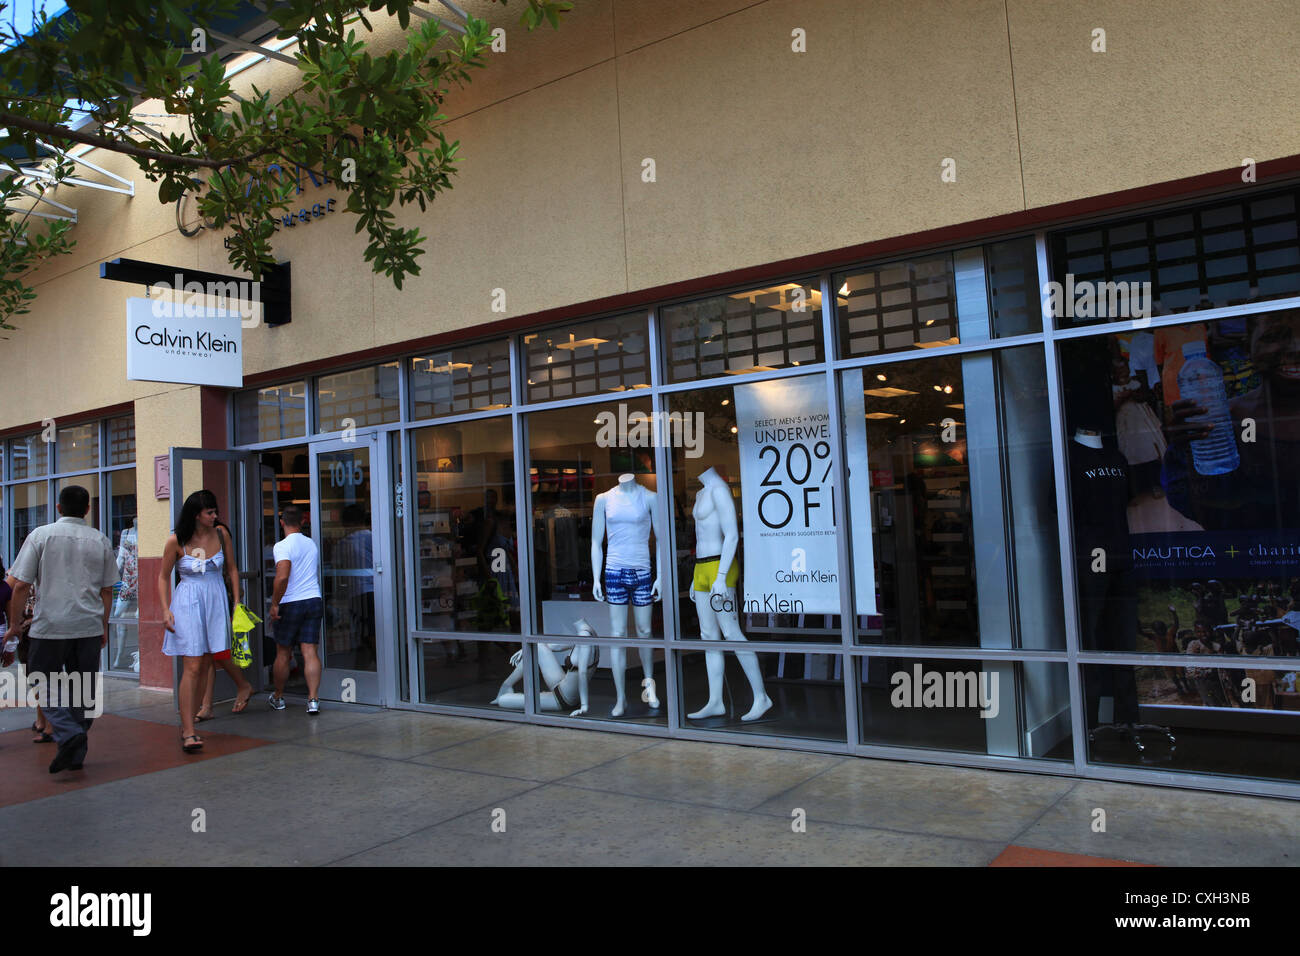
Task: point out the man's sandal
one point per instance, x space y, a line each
190 748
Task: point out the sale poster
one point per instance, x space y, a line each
788 499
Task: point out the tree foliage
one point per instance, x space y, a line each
369 119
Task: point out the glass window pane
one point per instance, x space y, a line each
1207 727
607 355
91 483
467 555
31 510
961 501
595 682
1002 708
78 447
755 330
574 456
121 440
474 378
357 399
270 414
1012 268
123 648
785 694
757 553
897 306
29 457
1221 253
1184 496
470 674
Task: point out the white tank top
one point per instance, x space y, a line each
627 528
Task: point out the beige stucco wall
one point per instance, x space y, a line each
761 154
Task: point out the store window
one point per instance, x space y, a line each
121 440
472 378
786 694
755 330
29 457
595 529
1222 253
606 355
952 493
271 414
1013 288
897 305
1186 510
78 447
1003 708
31 510
123 531
91 483
753 470
467 553
358 398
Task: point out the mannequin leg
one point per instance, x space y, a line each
714 663
644 616
748 660
618 656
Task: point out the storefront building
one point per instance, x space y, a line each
992 423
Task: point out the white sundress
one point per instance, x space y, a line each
200 608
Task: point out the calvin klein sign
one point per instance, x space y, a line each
203 349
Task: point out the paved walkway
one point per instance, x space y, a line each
362 786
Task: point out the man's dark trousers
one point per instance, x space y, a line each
48 657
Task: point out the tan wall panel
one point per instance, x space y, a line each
638 23
585 38
764 154
69 354
1184 87
535 211
162 421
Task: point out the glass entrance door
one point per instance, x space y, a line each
349 531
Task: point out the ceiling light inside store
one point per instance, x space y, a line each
880 376
959 406
581 343
449 367
876 415
734 429
746 371
726 401
844 289
888 391
947 389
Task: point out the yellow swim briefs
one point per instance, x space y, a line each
706 572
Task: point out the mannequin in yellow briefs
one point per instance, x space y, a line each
713 589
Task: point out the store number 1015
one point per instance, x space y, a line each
346 474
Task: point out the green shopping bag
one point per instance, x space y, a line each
242 621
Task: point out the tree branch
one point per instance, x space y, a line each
54 131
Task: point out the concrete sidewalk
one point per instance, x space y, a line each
363 786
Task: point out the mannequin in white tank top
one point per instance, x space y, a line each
622 520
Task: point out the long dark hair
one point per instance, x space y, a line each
201 500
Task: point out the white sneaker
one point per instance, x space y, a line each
313 706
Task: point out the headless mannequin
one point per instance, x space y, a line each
1108 612
565 685
623 519
716 534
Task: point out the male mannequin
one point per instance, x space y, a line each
1108 615
626 513
713 589
566 682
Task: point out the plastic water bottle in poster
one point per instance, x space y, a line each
788 498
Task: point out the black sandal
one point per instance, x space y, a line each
44 738
191 748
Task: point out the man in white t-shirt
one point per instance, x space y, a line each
296 608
